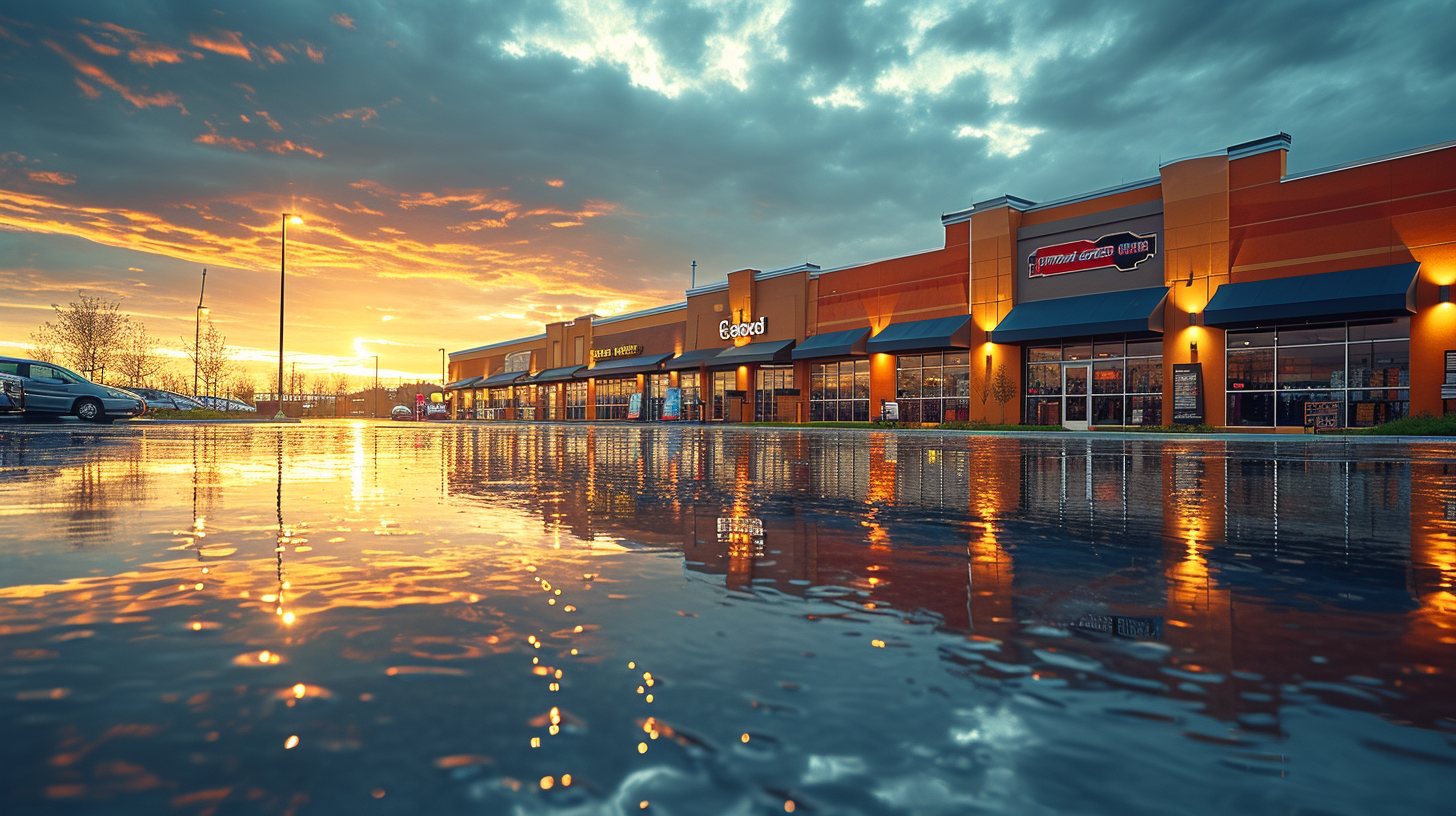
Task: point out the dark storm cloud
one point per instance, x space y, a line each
737 134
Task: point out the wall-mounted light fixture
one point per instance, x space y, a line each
1193 345
1193 318
1443 293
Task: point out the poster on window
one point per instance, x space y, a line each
634 405
672 404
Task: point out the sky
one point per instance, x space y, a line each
467 171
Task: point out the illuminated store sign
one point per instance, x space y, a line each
519 361
731 331
631 350
1124 250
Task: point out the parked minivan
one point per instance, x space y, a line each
52 390
12 394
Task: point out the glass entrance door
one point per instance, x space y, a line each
1075 407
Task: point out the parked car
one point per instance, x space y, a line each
401 412
157 398
12 394
224 404
52 390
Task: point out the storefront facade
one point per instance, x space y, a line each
1223 291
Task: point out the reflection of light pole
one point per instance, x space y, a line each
197 329
376 385
288 218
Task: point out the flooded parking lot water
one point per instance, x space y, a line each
406 618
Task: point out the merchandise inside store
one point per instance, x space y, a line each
1105 381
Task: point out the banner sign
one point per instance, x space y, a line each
520 361
1321 415
630 350
890 411
672 404
732 331
1123 250
1188 393
634 405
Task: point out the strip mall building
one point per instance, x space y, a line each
1223 291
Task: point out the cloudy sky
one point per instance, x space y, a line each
469 170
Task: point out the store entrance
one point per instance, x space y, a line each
1075 397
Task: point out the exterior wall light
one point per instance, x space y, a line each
1193 318
1193 345
1443 293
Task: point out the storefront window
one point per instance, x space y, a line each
467 405
613 397
526 402
767 380
934 387
692 393
839 392
1126 386
501 401
723 382
656 394
576 400
1362 366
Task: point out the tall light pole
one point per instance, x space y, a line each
197 329
442 369
375 410
288 218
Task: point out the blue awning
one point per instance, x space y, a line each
1130 311
468 382
764 351
923 335
501 380
692 359
557 374
622 366
833 344
1379 291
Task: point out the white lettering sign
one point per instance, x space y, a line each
731 331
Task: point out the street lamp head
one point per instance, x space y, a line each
204 310
293 219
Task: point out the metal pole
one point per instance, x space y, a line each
442 369
694 283
282 276
376 386
197 329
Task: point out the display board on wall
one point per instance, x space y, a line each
519 361
634 405
890 411
1188 393
672 404
1321 415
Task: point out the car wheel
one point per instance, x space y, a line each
89 410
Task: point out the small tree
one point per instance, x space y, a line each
1003 389
85 335
244 388
45 344
137 360
212 358
981 387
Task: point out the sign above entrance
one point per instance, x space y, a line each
630 350
519 361
1123 250
730 331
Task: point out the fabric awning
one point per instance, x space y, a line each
465 383
557 374
764 351
501 380
1378 291
622 366
693 359
833 344
923 335
1127 312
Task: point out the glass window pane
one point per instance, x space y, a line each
1107 349
1145 410
846 381
816 412
911 361
957 382
1312 367
1145 348
1077 351
862 382
956 358
1145 375
1251 370
1291 405
1043 411
1107 377
861 411
816 383
1255 409
1398 327
1107 410
1256 338
930 383
908 386
1044 354
862 367
1043 379
1312 334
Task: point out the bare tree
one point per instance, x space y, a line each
170 378
45 344
981 387
137 360
212 358
244 388
85 334
1003 389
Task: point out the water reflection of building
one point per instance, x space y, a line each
1255 559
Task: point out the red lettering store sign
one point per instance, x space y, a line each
1123 250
